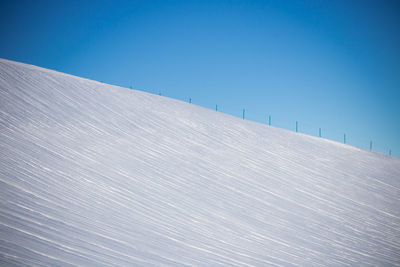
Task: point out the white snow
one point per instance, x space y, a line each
99 175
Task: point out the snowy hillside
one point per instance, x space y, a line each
94 174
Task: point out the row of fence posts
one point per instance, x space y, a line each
297 127
320 135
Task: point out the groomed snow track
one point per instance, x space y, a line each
98 175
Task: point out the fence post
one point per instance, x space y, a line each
390 152
320 132
269 120
344 138
370 145
297 126
243 113
190 100
216 107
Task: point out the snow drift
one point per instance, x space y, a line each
94 174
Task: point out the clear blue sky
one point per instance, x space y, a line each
329 64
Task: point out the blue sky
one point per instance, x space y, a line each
328 64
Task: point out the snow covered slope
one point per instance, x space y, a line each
94 174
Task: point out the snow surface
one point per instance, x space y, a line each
95 174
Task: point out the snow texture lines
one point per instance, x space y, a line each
98 175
